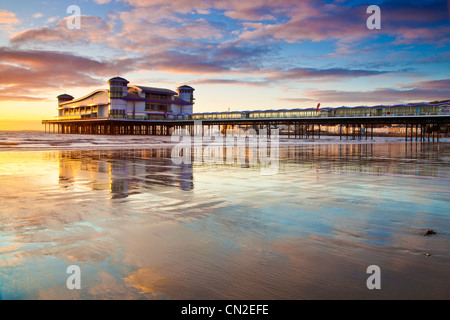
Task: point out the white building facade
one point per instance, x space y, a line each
125 101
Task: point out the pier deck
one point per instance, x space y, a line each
418 127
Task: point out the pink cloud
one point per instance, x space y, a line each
169 37
235 9
323 74
310 22
40 34
93 29
175 62
171 7
422 91
240 82
8 18
438 85
437 35
317 21
257 10
165 30
26 74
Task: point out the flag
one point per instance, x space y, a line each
317 109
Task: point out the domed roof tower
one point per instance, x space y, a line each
117 87
64 98
186 93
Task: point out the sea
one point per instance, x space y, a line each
86 217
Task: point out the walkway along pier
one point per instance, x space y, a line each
417 127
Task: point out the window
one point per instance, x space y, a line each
116 112
116 92
159 107
161 97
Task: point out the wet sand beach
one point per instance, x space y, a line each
140 226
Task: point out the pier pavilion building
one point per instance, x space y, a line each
125 101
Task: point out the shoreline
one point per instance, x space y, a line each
31 141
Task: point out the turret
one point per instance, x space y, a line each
64 98
117 87
186 93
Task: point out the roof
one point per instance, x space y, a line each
178 100
85 97
64 95
118 79
156 90
133 95
185 87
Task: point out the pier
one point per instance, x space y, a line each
127 109
416 127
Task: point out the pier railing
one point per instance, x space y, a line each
209 117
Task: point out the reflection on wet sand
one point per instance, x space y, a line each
141 227
130 172
126 172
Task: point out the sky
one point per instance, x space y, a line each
237 54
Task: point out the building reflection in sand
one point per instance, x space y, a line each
125 172
129 172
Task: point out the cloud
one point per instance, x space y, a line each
312 21
228 57
324 74
15 94
171 24
165 30
230 42
315 21
93 29
8 18
174 6
26 74
276 77
175 62
174 38
257 10
238 82
438 35
421 91
191 46
442 85
43 34
51 19
38 15
406 13
203 11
